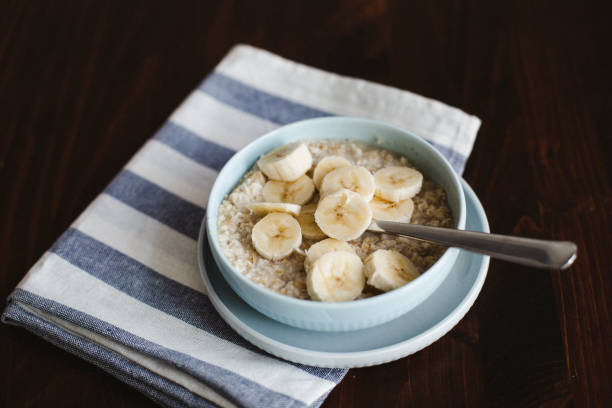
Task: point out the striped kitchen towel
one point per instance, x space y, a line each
121 288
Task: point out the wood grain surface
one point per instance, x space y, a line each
83 84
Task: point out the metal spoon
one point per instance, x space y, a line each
525 251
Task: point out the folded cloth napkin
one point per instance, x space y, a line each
121 288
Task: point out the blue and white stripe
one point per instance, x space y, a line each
121 287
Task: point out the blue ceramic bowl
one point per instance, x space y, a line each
340 316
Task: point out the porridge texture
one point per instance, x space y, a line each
287 276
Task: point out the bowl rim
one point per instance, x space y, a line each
219 256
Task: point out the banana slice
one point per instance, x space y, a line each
326 165
266 208
389 211
388 270
336 277
299 191
276 235
397 183
310 229
343 215
322 247
286 163
354 178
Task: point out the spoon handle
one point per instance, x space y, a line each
525 251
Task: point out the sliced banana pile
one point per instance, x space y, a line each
349 198
310 229
322 247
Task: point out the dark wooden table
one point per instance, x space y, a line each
84 83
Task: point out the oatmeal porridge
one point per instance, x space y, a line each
290 268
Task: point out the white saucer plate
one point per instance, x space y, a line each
390 341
